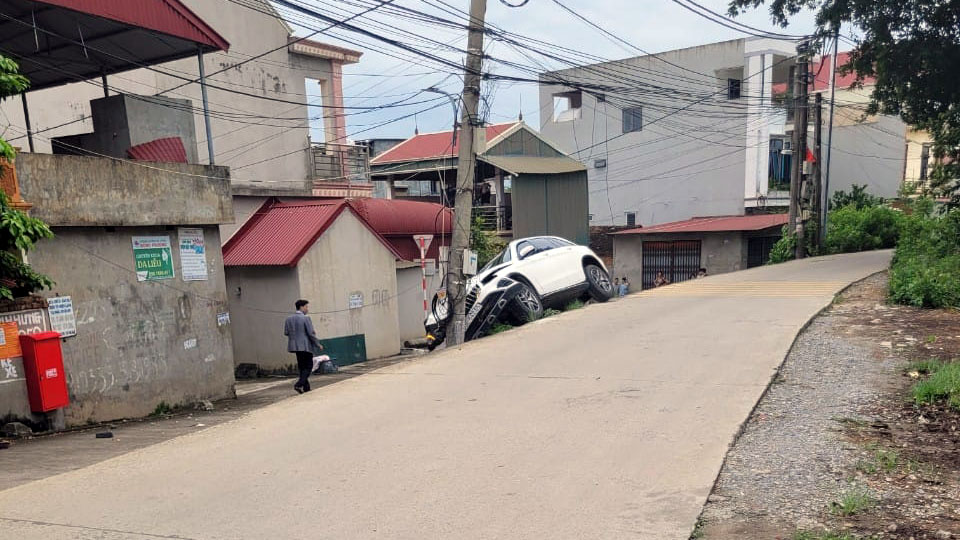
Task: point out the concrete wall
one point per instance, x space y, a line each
86 191
348 259
243 207
719 253
410 300
666 172
134 346
259 144
260 298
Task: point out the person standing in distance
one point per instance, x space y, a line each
301 341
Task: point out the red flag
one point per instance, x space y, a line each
810 157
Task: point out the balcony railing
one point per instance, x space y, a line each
494 218
340 163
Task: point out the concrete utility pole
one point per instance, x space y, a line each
799 150
826 179
466 171
819 205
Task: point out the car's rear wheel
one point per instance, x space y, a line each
526 306
598 283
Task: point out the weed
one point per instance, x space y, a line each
851 422
576 304
943 384
550 312
697 529
867 466
500 328
826 535
931 339
881 460
162 408
853 501
924 367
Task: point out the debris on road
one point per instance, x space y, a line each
16 430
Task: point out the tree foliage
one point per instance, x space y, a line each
912 49
18 231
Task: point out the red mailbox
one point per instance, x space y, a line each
43 363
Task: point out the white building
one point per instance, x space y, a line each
701 131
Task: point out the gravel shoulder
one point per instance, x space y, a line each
835 432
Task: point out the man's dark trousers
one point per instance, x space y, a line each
305 365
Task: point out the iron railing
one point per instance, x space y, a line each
340 163
494 218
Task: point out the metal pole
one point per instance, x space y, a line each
818 202
826 177
26 119
206 108
466 172
106 88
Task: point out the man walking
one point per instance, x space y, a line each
301 340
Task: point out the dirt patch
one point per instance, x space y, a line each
837 444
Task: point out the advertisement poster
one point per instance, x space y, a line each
10 347
62 318
30 321
193 255
153 257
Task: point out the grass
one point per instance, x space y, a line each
923 367
162 408
500 328
881 460
943 384
576 304
931 339
853 501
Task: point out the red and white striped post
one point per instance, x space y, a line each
423 242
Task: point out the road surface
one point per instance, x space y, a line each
606 422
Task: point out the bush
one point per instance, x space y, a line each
925 271
851 229
785 249
942 385
858 197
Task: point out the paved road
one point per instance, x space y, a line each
608 422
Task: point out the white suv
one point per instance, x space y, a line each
516 285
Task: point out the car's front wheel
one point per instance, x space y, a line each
598 283
526 306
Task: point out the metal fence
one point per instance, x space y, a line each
494 218
340 163
678 260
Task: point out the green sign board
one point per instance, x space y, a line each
153 257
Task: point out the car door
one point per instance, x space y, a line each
535 256
567 264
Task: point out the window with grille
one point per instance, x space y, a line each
632 119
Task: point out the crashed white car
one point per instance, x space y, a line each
529 275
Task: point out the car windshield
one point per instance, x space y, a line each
504 256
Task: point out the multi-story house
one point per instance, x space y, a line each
706 130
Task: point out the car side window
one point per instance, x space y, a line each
506 255
543 244
526 249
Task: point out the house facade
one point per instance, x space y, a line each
524 185
705 131
308 249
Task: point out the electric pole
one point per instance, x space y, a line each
799 151
466 171
819 205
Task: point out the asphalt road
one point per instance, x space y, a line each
606 422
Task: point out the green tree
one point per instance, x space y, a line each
912 49
18 231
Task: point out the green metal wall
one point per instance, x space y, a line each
523 143
551 204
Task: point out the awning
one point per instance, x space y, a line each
534 165
63 41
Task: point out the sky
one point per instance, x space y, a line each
652 25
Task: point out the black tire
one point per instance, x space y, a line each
598 283
526 306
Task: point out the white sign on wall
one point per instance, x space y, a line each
62 318
193 254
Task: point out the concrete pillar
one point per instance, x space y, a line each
757 92
331 90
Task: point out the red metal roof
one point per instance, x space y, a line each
714 224
169 17
167 150
432 146
280 234
821 72
398 220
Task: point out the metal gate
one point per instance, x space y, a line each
679 260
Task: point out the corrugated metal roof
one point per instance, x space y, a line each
714 224
431 146
169 17
398 220
279 234
166 150
821 73
534 164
